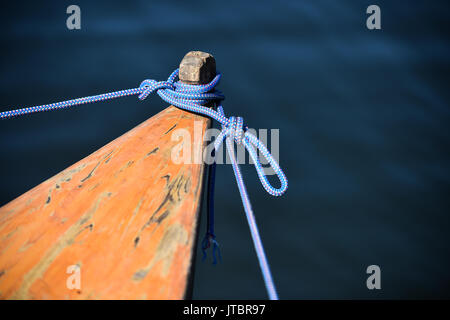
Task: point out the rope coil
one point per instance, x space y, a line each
192 98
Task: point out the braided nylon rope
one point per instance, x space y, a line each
192 98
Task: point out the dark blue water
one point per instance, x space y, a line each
363 118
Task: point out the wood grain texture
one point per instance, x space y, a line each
126 215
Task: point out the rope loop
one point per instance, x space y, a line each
149 85
235 129
251 142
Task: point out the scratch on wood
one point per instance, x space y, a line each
167 177
187 185
135 212
153 151
90 173
162 216
67 175
49 197
171 128
170 202
108 157
90 227
127 165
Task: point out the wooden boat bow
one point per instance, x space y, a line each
124 219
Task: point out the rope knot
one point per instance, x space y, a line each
149 85
236 129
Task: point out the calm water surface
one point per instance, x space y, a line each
363 118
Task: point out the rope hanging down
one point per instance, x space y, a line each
192 98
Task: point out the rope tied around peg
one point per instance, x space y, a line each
193 98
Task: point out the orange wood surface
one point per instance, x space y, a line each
126 215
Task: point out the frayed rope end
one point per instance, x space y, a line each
206 244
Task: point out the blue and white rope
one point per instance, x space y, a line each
192 98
